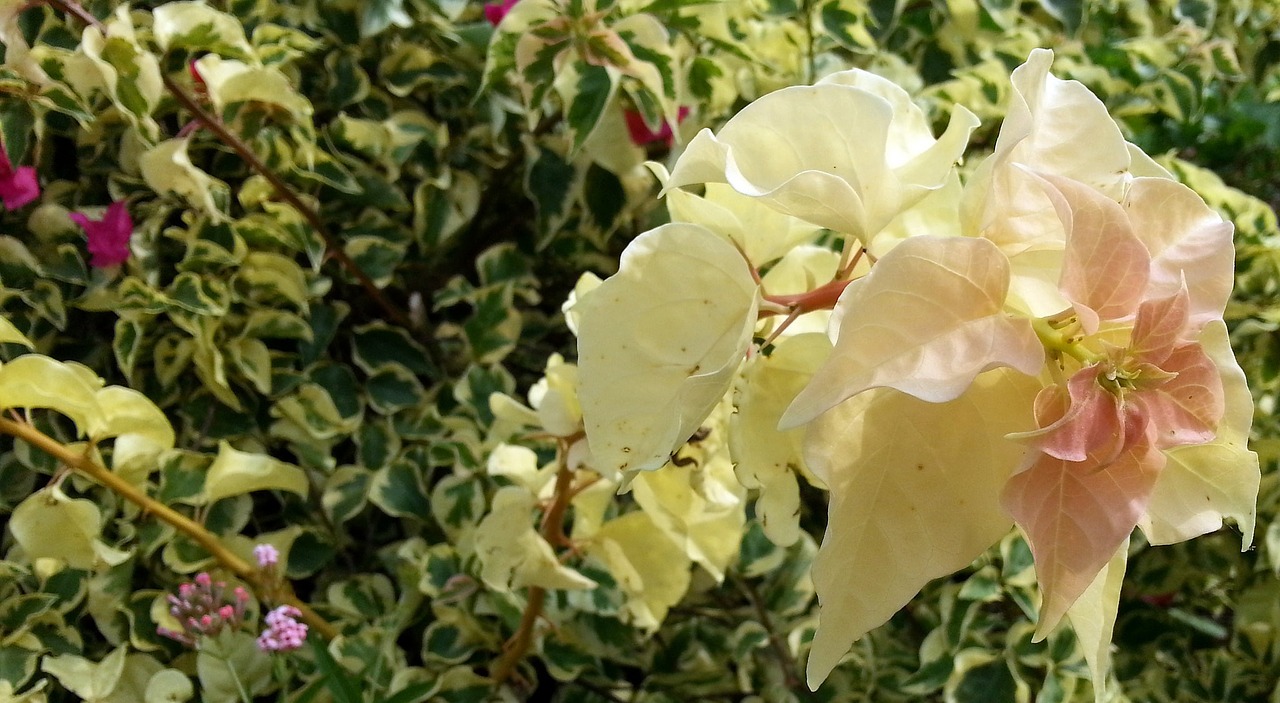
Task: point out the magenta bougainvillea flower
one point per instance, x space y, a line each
108 237
640 133
17 186
495 11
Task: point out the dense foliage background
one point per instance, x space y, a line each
428 193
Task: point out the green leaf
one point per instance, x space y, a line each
229 663
494 328
593 91
377 257
457 503
340 684
346 492
398 490
377 15
393 388
378 344
49 524
981 677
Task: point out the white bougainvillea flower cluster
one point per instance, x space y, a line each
1047 352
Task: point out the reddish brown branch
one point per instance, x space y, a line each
823 297
553 531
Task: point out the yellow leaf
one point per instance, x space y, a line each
698 503
648 566
10 334
234 472
1093 617
49 524
660 342
91 681
230 81
34 381
512 553
766 457
915 494
167 168
141 430
172 22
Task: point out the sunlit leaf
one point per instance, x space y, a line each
234 472
659 342
914 495
49 524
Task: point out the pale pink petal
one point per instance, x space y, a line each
1105 266
1092 429
1075 517
1188 242
926 320
1188 408
1160 326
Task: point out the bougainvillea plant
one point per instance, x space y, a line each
303 421
1041 345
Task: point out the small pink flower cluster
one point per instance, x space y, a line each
284 633
267 555
203 609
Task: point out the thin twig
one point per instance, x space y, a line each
197 532
552 530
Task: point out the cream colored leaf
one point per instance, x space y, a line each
838 154
915 494
926 320
119 59
1202 485
234 472
660 342
10 334
555 398
512 554
651 569
168 686
767 458
230 81
49 524
91 681
1093 617
141 430
762 232
520 464
699 505
173 22
35 381
167 168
